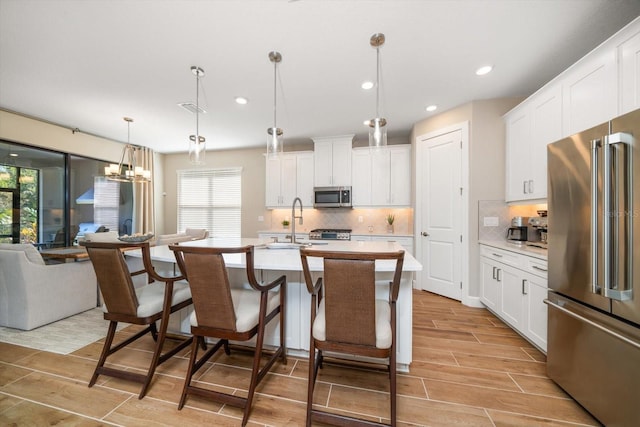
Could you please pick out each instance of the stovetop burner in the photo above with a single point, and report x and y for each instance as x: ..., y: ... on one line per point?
x: 329, y: 230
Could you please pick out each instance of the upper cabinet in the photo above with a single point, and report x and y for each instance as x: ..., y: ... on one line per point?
x: 589, y: 92
x: 600, y: 86
x: 288, y: 176
x: 382, y: 177
x: 332, y: 161
x: 530, y: 127
x: 629, y: 60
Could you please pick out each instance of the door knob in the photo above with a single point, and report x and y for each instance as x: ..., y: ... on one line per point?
x: 425, y: 234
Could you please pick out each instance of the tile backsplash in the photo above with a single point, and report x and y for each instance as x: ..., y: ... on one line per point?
x: 373, y: 220
x: 489, y: 210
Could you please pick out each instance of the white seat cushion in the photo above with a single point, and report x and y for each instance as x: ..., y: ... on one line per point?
x: 246, y: 303
x: 383, y: 324
x: 151, y: 297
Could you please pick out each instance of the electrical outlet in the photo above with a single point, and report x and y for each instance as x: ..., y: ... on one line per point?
x: 260, y: 218
x: 490, y: 221
x: 360, y: 219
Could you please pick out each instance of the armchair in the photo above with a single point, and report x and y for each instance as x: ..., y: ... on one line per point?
x: 33, y: 294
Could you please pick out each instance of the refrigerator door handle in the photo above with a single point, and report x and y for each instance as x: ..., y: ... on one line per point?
x: 595, y: 145
x: 611, y: 217
x: 592, y: 323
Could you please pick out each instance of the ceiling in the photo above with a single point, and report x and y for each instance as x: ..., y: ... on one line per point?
x: 87, y: 64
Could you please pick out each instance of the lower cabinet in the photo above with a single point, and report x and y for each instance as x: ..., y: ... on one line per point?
x: 514, y: 287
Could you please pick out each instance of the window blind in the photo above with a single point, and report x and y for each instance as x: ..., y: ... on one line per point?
x: 210, y: 199
x: 106, y: 204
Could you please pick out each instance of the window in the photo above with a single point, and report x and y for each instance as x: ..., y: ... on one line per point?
x: 210, y: 199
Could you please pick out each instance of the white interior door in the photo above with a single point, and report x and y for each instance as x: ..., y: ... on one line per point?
x: 439, y: 222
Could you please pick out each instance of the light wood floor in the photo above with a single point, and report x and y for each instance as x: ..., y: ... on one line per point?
x: 468, y: 369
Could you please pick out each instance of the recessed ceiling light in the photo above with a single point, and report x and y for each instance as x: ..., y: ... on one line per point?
x: 484, y: 70
x: 13, y: 155
x: 367, y: 85
x: 431, y: 108
x: 241, y: 100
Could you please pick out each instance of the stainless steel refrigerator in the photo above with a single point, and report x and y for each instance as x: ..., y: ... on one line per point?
x: 593, y: 348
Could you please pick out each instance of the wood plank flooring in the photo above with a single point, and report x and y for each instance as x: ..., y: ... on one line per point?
x: 468, y: 369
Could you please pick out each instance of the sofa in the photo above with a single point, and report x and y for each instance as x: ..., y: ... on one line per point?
x: 33, y: 293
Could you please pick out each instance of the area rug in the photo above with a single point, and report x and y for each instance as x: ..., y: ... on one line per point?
x: 64, y: 336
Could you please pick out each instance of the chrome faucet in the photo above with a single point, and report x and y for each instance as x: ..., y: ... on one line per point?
x: 293, y: 218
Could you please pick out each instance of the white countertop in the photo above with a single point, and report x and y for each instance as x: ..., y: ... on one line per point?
x: 287, y: 259
x: 522, y: 249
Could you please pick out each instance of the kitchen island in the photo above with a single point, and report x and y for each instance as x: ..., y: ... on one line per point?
x: 272, y: 263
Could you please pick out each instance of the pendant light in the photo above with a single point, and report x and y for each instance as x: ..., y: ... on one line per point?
x: 197, y: 144
x: 275, y: 146
x: 377, y: 125
x: 131, y: 173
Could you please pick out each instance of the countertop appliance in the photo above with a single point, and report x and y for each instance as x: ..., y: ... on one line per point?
x: 594, y: 269
x: 332, y: 197
x: 537, y: 232
x: 518, y: 230
x: 330, y: 234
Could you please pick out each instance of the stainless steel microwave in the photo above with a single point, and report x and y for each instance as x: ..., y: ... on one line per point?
x: 332, y: 197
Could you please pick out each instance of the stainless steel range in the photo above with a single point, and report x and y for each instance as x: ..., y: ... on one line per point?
x: 330, y: 234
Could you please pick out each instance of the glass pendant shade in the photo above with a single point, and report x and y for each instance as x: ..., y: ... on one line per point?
x: 377, y: 133
x: 197, y: 146
x: 274, y: 142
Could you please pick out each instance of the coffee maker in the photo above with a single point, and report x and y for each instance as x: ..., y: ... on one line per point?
x: 537, y: 236
x: 519, y: 229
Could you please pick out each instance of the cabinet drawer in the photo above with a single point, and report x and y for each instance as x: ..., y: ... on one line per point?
x: 536, y: 266
x: 502, y: 256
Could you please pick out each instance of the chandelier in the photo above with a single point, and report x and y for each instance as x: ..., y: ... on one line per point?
x: 377, y: 125
x: 197, y: 142
x: 275, y: 145
x: 127, y: 172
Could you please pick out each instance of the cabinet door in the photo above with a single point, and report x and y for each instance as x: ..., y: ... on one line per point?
x: 400, y: 175
x: 590, y: 92
x: 629, y: 54
x: 361, y: 177
x: 341, y: 157
x: 288, y: 175
x: 272, y: 182
x: 304, y: 178
x: 380, y: 177
x: 322, y: 164
x: 536, y: 310
x: 489, y: 286
x: 546, y: 127
x: 513, y: 297
x: 517, y: 154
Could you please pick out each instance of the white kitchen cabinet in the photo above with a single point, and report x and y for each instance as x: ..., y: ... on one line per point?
x: 382, y: 177
x: 514, y: 287
x: 530, y: 128
x: 361, y: 177
x: 332, y: 161
x: 536, y: 310
x: 288, y: 176
x: 304, y: 178
x: 590, y: 91
x: 629, y: 62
